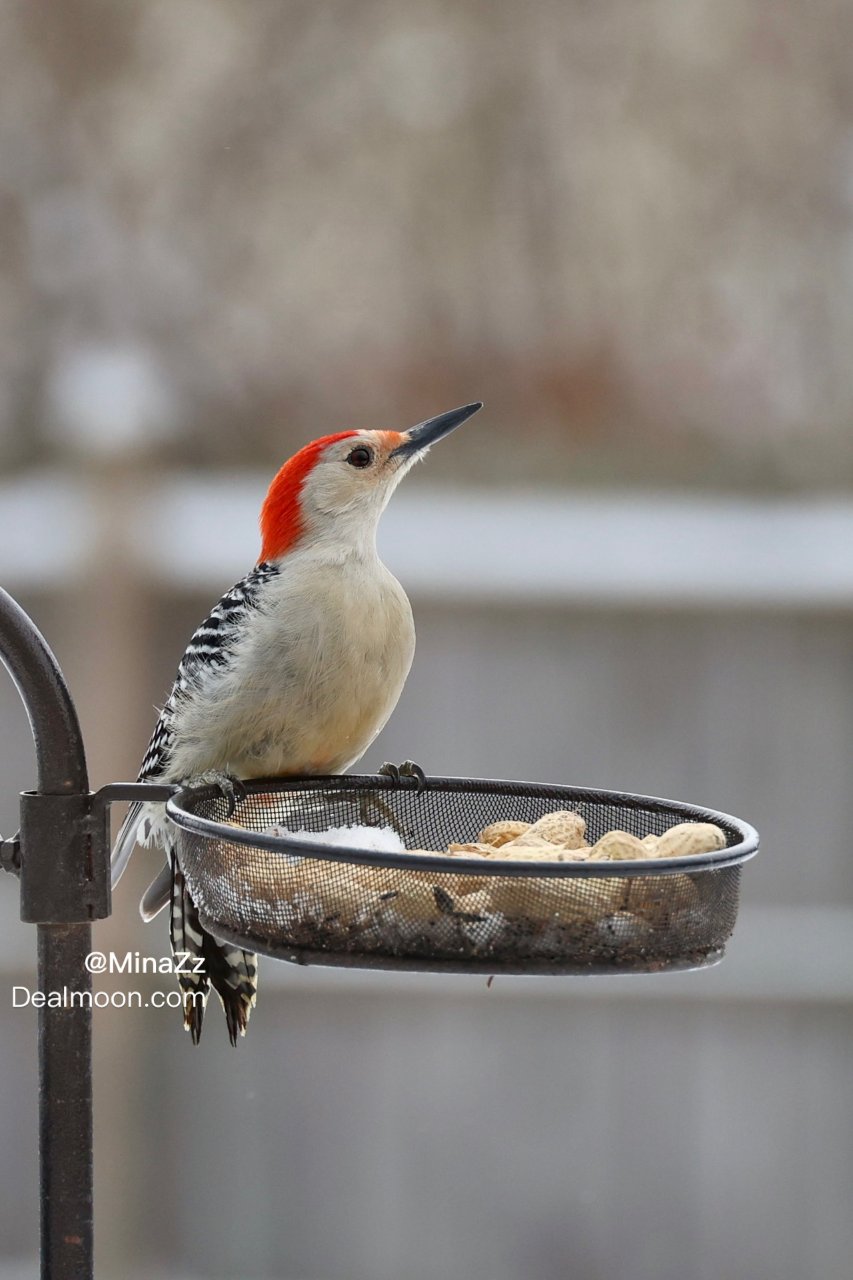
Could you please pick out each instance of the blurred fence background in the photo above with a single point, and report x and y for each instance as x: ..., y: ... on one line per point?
x: 629, y: 229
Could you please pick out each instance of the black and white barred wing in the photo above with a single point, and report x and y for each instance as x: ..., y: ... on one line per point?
x: 208, y: 652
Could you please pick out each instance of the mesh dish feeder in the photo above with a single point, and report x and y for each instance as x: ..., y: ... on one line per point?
x: 323, y: 904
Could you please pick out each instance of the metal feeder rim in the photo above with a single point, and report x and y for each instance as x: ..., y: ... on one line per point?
x: 740, y: 852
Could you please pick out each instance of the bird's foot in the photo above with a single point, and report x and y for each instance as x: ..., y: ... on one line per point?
x: 233, y: 790
x: 408, y: 769
x: 374, y: 812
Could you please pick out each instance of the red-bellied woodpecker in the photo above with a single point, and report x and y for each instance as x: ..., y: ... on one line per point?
x: 294, y: 671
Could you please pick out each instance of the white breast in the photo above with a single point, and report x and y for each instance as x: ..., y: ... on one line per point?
x: 315, y: 677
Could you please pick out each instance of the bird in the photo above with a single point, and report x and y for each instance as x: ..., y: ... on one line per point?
x: 294, y: 672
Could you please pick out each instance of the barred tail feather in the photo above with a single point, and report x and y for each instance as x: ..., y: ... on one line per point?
x: 231, y: 971
x: 188, y: 939
x: 234, y: 976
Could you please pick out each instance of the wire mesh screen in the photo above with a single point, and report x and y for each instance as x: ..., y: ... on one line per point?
x: 335, y: 906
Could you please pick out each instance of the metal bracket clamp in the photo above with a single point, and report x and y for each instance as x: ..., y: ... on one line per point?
x: 64, y: 859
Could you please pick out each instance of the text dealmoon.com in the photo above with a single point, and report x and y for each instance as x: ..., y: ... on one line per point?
x: 70, y: 999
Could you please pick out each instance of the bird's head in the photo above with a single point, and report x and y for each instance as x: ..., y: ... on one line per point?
x: 335, y: 489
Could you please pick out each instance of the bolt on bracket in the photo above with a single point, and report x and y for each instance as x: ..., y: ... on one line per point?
x: 10, y: 854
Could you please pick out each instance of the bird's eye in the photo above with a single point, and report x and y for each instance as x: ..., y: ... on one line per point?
x: 360, y: 456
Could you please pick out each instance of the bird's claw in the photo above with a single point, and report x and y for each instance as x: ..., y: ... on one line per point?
x: 233, y: 790
x: 408, y: 769
x: 235, y: 793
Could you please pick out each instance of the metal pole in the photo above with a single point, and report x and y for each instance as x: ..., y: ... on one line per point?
x: 65, y: 1108
x: 58, y: 893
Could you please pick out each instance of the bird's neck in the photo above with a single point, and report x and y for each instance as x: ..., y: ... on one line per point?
x: 337, y: 546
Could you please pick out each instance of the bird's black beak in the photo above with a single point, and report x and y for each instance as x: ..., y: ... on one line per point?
x: 426, y: 433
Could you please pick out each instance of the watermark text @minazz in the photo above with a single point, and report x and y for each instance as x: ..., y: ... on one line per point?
x: 135, y: 962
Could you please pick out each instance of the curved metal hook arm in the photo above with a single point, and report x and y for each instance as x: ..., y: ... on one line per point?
x: 60, y: 756
x: 63, y: 841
